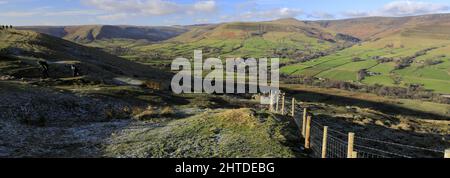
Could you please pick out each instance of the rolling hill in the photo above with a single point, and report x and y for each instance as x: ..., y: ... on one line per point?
x: 288, y: 39
x: 393, y: 51
x: 397, y: 52
x: 378, y: 27
x: 20, y: 50
x: 117, y: 40
x: 91, y: 33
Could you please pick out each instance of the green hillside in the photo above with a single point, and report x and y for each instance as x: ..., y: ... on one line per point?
x: 288, y: 39
x: 418, y: 55
x: 379, y: 27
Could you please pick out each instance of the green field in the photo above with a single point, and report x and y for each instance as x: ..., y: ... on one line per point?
x: 339, y: 66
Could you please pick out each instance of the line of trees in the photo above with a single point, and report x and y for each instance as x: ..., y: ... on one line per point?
x: 2, y: 27
x: 413, y: 91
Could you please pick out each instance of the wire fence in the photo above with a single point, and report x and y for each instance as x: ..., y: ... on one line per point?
x: 325, y: 142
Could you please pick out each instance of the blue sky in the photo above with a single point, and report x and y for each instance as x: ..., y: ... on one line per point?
x: 184, y: 12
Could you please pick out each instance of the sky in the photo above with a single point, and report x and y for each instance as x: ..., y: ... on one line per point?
x: 187, y: 12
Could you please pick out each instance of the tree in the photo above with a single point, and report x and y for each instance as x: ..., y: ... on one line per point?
x: 10, y: 26
x: 430, y: 62
x: 357, y: 59
x: 361, y: 74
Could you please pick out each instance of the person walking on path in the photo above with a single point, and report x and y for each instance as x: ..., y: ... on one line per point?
x: 44, y: 68
x: 75, y: 70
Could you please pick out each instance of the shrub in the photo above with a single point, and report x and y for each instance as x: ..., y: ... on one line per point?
x: 167, y: 112
x: 117, y: 113
x: 151, y: 113
x: 431, y: 62
x: 397, y: 92
x: 357, y: 59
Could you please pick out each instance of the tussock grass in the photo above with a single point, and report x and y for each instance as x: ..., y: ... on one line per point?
x: 218, y: 133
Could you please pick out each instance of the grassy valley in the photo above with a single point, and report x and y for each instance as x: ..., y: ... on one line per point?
x: 113, y: 39
x: 289, y: 39
x: 413, y: 53
x: 119, y: 108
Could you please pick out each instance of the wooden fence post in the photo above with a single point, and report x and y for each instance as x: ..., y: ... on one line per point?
x: 293, y: 108
x: 447, y: 153
x: 324, y: 142
x: 351, y: 141
x: 355, y: 154
x: 271, y: 101
x: 305, y: 114
x: 278, y: 102
x: 308, y: 133
x: 282, y: 103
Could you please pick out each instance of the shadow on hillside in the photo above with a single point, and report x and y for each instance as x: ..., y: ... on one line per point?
x: 376, y: 132
x: 386, y: 108
x: 292, y: 135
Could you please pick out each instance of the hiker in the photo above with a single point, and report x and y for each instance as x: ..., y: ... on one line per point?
x: 75, y: 70
x: 44, y: 68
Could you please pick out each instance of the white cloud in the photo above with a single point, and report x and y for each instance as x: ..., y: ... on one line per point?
x: 402, y: 8
x: 113, y: 16
x: 116, y: 9
x: 270, y: 14
x: 41, y: 12
x: 72, y: 13
x: 202, y: 20
x: 286, y: 12
x: 320, y: 15
x: 356, y: 14
x: 205, y: 6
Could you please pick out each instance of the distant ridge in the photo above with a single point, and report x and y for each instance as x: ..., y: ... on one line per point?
x: 375, y: 27
x: 89, y: 33
x: 363, y: 28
